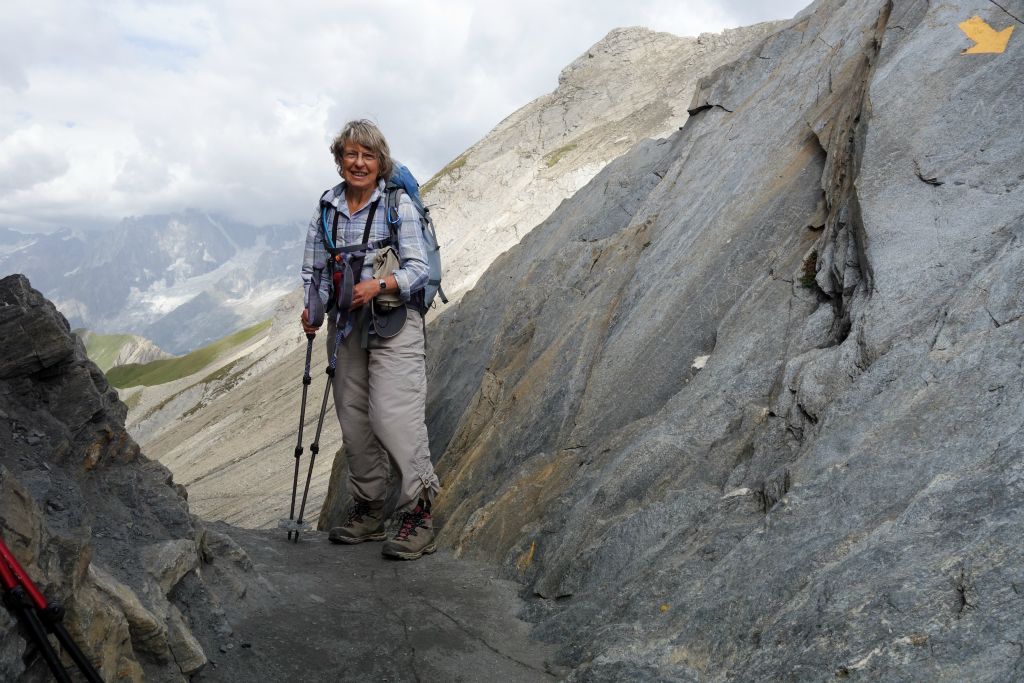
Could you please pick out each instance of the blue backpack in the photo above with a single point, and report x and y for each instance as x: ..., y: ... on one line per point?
x: 401, y: 181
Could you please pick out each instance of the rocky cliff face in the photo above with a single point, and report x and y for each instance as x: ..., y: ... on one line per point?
x: 100, y: 527
x: 750, y: 405
x: 633, y: 84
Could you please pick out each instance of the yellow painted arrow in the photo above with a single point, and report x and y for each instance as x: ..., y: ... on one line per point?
x: 987, y: 40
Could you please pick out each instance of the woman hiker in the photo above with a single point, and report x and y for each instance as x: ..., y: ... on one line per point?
x: 380, y: 388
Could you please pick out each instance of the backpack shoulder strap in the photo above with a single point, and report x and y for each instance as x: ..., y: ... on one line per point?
x: 369, y: 220
x: 393, y: 215
x: 334, y: 229
x: 331, y: 238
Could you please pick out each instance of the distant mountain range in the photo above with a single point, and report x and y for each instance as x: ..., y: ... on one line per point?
x: 181, y: 280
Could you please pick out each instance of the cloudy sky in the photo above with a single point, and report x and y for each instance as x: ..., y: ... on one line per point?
x: 118, y: 108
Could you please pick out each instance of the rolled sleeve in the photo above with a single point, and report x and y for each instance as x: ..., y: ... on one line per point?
x: 413, y: 274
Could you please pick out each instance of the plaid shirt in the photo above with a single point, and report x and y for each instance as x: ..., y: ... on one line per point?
x: 413, y: 273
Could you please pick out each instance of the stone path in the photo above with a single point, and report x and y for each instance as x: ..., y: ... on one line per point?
x: 343, y: 613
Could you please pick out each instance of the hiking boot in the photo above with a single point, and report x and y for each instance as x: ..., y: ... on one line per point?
x: 415, y: 536
x: 365, y: 523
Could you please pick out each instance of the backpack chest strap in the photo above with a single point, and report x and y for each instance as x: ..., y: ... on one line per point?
x: 331, y: 238
x: 357, y: 248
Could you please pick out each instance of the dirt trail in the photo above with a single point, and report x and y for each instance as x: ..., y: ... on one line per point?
x: 343, y: 613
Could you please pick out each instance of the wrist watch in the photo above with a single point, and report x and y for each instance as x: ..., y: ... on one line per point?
x: 383, y: 284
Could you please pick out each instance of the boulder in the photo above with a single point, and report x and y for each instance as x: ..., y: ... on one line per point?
x: 166, y: 562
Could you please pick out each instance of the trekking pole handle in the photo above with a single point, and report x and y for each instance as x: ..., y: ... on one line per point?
x: 306, y: 378
x: 7, y: 558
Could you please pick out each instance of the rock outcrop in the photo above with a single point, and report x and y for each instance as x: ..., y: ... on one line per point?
x: 750, y: 406
x: 633, y: 84
x: 139, y: 350
x: 101, y: 528
x: 111, y: 350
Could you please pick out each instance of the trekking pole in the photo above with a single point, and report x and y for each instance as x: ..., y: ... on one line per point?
x: 315, y: 310
x: 314, y: 448
x: 306, y: 381
x: 344, y: 280
x: 24, y: 599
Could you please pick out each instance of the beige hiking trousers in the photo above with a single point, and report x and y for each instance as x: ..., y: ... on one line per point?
x: 380, y: 396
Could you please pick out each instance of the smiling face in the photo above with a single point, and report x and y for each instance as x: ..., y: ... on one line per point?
x: 360, y: 167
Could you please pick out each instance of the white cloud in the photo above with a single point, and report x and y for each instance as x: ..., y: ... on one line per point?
x: 26, y: 160
x: 126, y: 108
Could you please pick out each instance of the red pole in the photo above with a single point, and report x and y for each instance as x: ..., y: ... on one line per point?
x: 6, y: 577
x: 25, y: 597
x: 20, y: 577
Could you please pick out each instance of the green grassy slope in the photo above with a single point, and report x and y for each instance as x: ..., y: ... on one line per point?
x: 103, y: 348
x: 169, y: 369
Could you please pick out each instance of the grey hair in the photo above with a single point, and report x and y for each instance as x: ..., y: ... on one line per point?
x: 366, y: 133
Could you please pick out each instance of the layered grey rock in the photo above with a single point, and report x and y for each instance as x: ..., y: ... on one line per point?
x: 750, y: 406
x: 632, y: 84
x: 101, y: 528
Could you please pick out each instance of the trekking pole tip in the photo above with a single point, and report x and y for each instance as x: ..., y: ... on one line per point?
x: 293, y: 526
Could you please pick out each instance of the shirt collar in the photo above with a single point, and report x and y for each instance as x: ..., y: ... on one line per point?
x: 335, y: 195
